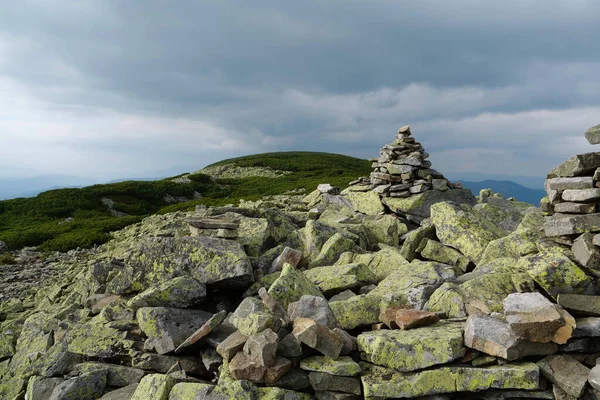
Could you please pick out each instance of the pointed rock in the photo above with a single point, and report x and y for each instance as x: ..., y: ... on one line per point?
x: 318, y: 337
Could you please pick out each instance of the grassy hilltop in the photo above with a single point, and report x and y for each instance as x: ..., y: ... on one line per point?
x: 40, y: 221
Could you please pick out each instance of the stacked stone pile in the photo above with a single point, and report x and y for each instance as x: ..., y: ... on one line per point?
x: 573, y: 200
x: 402, y: 169
x: 473, y: 303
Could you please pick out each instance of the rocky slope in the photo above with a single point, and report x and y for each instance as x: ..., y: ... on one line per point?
x: 430, y: 293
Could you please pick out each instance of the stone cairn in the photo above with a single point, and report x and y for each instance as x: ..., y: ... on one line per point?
x: 573, y: 200
x: 402, y: 169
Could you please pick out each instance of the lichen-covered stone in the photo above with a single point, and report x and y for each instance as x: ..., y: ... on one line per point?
x: 181, y: 292
x: 413, y: 349
x: 365, y: 202
x: 40, y: 387
x: 313, y: 307
x: 157, y: 259
x: 413, y: 283
x: 12, y: 388
x: 565, y: 371
x: 356, y: 311
x: 381, y: 263
x: 312, y: 237
x: 291, y: 285
x: 276, y: 393
x: 461, y: 227
x: 345, y: 384
x: 318, y: 337
x: 383, y: 229
x: 435, y: 251
x: 515, y: 245
x: 331, y: 250
x: 7, y: 347
x: 577, y: 165
x: 167, y: 328
x: 337, y: 278
x: 385, y: 383
x: 555, y: 272
x: 419, y: 205
x: 343, y: 366
x: 190, y: 391
x: 569, y: 224
x: 252, y: 317
x: 116, y: 375
x: 83, y: 387
x: 414, y: 239
x: 155, y: 386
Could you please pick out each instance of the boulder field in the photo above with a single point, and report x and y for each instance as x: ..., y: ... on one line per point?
x: 403, y: 285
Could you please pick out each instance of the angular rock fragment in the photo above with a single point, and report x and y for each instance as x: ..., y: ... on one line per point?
x: 365, y: 202
x: 575, y: 208
x: 413, y: 349
x: 435, y: 251
x: 337, y: 278
x: 356, y: 311
x: 180, y: 292
x: 322, y: 381
x: 167, y: 328
x: 242, y: 368
x: 572, y: 224
x: 343, y: 366
x: 41, y: 388
x: 566, y: 372
x: 587, y: 253
x: 580, y: 304
x: 587, y: 327
x: 252, y: 317
x: 291, y: 286
x: 313, y: 307
x: 581, y: 195
x: 116, y: 375
x: 580, y: 182
x: 318, y: 337
x: 83, y: 387
x: 594, y: 377
x: 577, y: 165
x: 230, y: 346
x: 386, y: 383
x: 533, y: 317
x: 493, y: 336
x: 409, y: 318
x: 287, y: 256
x: 154, y: 386
x: 204, y: 330
x: 420, y: 205
x: 593, y: 134
x: 261, y: 348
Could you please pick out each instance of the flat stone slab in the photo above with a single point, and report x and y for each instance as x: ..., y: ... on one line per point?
x: 419, y: 205
x: 580, y: 304
x: 386, y: 383
x: 572, y: 225
x: 577, y: 165
x: 343, y: 366
x: 580, y: 182
x: 581, y: 195
x: 566, y: 372
x: 587, y: 327
x: 413, y: 349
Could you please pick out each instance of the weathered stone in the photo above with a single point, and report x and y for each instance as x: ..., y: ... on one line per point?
x: 261, y: 348
x: 385, y: 229
x: 594, y: 377
x: 277, y: 393
x: 327, y: 188
x: 318, y: 337
x: 332, y: 249
x: 365, y: 202
x: 515, y: 245
x: 204, y: 330
x: 414, y: 239
x: 322, y: 381
x: 295, y: 379
x: 230, y: 346
x: 413, y: 283
x: 290, y: 347
x: 41, y: 388
x: 252, y: 317
x: 208, y: 260
x: 435, y: 251
x: 12, y: 388
x: 83, y: 387
x: 385, y: 383
x: 555, y: 272
x: 587, y: 327
x: 459, y: 226
x: 181, y: 292
x: 419, y: 205
x: 566, y: 372
x: 287, y: 256
x: 408, y: 318
x: 580, y: 304
x: 572, y: 225
x: 560, y: 184
x: 213, y: 223
x: 356, y: 311
x: 313, y: 307
x: 291, y: 286
x: 593, y: 134
x: 116, y: 375
x: 575, y: 208
x: 348, y: 341
x: 97, y: 340
x: 337, y: 278
x: 577, y: 165
x: 190, y: 391
x: 381, y: 263
x: 167, y: 328
x: 277, y: 371
x: 494, y: 336
x: 533, y: 317
x: 413, y: 349
x: 343, y: 366
x: 586, y: 252
x: 242, y: 368
x: 156, y: 387
x: 581, y: 195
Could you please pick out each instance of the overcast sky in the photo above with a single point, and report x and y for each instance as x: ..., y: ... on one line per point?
x: 112, y: 89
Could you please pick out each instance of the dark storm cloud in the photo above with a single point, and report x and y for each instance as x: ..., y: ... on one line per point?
x: 479, y: 81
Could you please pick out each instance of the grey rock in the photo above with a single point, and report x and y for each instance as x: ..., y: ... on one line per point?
x: 577, y: 165
x: 163, y: 364
x: 261, y: 348
x: 586, y: 252
x: 593, y: 134
x: 124, y: 393
x: 587, y: 327
x: 420, y: 205
x: 594, y: 377
x: 327, y: 188
x: 560, y: 184
x: 116, y: 375
x: 575, y: 208
x: 580, y: 303
x: 167, y: 328
x: 566, y: 372
x: 88, y: 386
x: 230, y: 346
x: 571, y: 225
x: 287, y: 256
x: 322, y: 381
x: 290, y: 347
x: 181, y: 292
x: 252, y: 317
x: 581, y: 195
x: 313, y: 307
x: 318, y: 337
x: 40, y: 388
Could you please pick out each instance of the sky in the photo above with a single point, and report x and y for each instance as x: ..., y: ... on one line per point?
x: 117, y: 89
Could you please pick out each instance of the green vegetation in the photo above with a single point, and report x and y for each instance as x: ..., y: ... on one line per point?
x: 41, y: 220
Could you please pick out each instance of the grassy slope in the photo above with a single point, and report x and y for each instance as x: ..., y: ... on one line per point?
x: 36, y: 221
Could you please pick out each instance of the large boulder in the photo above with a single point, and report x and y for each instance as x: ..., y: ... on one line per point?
x: 207, y: 259
x: 365, y: 202
x: 581, y: 164
x: 419, y: 205
x: 291, y: 285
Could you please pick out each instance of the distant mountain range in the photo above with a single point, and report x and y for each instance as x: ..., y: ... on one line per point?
x: 507, y: 189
